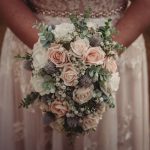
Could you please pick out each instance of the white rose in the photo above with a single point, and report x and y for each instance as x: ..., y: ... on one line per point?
x: 39, y: 56
x: 37, y: 84
x: 114, y: 81
x: 64, y: 32
x: 92, y: 25
x: 80, y: 46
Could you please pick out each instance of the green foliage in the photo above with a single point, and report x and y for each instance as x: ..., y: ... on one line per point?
x: 29, y: 99
x: 27, y: 56
x: 119, y: 48
x: 109, y: 100
x: 49, y: 84
x: 81, y: 23
x: 98, y: 73
x: 45, y: 34
x: 106, y: 30
x: 87, y: 13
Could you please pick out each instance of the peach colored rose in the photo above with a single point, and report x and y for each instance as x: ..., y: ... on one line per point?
x: 59, y: 108
x: 110, y: 64
x: 90, y: 122
x: 94, y: 55
x: 83, y: 95
x: 69, y: 75
x: 57, y: 55
x: 80, y: 46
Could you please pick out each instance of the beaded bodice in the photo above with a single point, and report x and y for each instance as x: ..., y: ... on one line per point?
x: 64, y: 7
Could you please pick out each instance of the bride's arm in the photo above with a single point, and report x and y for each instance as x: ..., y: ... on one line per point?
x: 20, y: 20
x: 134, y: 22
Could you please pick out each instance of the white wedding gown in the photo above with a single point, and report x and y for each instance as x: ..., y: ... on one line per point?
x: 123, y: 128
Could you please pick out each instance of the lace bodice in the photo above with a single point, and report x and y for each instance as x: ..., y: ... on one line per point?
x: 62, y: 6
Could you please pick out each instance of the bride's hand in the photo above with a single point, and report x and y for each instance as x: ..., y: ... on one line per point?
x: 19, y: 19
x: 134, y: 22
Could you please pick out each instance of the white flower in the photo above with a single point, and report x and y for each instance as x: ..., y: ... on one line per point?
x: 92, y: 25
x: 37, y: 84
x: 80, y: 46
x: 64, y: 32
x: 39, y: 56
x: 113, y: 83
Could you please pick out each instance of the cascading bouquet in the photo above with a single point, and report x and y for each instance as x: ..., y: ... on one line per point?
x: 74, y: 73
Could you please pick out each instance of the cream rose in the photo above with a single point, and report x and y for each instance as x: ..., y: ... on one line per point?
x: 94, y: 55
x: 90, y: 122
x: 69, y: 75
x: 113, y: 83
x: 39, y: 56
x: 110, y: 64
x: 59, y: 108
x: 37, y: 84
x: 83, y: 95
x: 57, y: 55
x: 80, y: 46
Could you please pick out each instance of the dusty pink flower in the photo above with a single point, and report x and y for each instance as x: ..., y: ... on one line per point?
x: 94, y: 55
x: 59, y: 108
x: 110, y: 64
x: 69, y: 75
x: 90, y: 122
x: 83, y: 95
x: 58, y: 55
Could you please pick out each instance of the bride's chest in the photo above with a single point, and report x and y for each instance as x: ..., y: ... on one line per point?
x: 78, y: 5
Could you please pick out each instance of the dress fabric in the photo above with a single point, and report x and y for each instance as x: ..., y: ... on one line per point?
x: 122, y: 128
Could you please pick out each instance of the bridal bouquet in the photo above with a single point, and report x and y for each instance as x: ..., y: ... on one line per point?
x: 74, y: 73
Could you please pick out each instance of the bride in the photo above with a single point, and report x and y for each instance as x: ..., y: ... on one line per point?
x: 123, y: 128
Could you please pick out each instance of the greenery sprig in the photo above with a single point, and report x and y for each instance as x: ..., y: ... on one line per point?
x: 29, y: 99
x: 27, y: 56
x: 99, y: 74
x: 45, y: 34
x: 80, y: 23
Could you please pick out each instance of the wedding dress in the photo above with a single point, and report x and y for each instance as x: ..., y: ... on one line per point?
x: 122, y: 128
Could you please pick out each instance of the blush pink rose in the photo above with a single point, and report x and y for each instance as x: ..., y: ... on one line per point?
x: 57, y: 55
x: 80, y: 46
x: 59, y: 108
x: 90, y: 122
x: 94, y: 55
x: 110, y: 64
x: 69, y: 75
